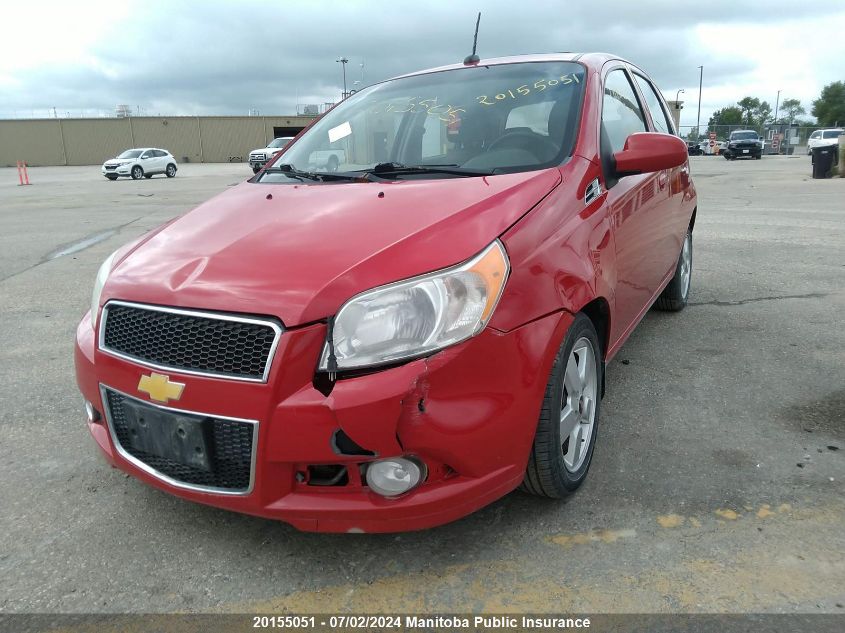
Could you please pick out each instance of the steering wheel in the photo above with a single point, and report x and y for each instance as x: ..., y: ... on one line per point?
x: 529, y: 142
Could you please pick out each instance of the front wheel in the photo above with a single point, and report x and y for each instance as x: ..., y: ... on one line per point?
x: 255, y: 170
x: 170, y: 171
x: 674, y: 296
x: 137, y: 172
x: 568, y: 424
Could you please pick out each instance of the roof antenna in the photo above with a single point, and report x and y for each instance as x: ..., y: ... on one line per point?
x: 474, y: 59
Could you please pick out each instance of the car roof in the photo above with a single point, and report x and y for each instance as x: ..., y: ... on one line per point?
x: 593, y: 61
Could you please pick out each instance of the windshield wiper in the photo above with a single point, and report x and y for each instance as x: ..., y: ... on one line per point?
x: 293, y: 172
x: 385, y: 169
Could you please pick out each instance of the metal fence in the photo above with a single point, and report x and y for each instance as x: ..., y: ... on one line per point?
x: 790, y: 138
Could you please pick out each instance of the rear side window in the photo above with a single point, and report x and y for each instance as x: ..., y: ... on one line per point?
x: 831, y: 134
x: 662, y: 122
x: 621, y: 114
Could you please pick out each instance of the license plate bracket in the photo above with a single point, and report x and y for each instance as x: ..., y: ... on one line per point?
x: 177, y: 437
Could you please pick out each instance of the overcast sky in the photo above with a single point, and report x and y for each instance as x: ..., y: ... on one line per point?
x: 215, y: 57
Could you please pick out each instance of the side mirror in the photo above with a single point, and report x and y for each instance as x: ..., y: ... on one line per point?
x: 646, y: 152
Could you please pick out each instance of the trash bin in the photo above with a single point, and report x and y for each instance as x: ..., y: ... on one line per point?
x: 823, y: 158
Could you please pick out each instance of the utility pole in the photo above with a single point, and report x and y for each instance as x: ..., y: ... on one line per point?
x: 777, y: 103
x: 700, y: 83
x: 344, y: 61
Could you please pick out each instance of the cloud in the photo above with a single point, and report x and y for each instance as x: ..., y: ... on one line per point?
x: 228, y: 58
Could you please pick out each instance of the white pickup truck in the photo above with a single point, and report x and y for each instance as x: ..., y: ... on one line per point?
x: 328, y: 159
x: 259, y: 157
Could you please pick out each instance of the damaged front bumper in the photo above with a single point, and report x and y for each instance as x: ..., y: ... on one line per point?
x: 468, y: 413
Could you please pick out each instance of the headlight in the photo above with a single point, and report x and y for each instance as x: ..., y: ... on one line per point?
x: 417, y: 316
x: 99, y: 282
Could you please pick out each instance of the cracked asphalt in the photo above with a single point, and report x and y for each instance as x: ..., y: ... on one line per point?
x: 717, y: 482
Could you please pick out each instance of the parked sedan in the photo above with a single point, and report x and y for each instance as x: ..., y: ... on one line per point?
x: 399, y: 342
x: 144, y: 162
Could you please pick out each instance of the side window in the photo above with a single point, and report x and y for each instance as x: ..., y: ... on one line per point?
x: 662, y: 122
x: 815, y: 134
x: 621, y: 114
x: 147, y: 154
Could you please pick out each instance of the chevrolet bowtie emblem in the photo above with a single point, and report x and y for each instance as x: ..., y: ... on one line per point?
x: 159, y: 387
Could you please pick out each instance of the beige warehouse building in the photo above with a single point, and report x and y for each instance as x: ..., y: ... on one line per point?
x: 204, y: 139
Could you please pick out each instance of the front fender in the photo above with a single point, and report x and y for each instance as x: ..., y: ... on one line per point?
x: 562, y: 253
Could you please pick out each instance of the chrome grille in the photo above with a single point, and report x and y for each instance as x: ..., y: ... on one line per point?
x: 232, y: 449
x: 203, y: 343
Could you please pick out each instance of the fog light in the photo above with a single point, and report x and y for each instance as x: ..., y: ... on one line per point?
x: 91, y: 413
x: 391, y: 477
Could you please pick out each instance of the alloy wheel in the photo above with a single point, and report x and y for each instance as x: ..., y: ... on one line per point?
x: 578, y: 413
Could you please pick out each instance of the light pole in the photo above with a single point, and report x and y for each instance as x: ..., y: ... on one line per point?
x: 777, y: 103
x: 343, y: 61
x: 700, y: 83
x: 678, y: 93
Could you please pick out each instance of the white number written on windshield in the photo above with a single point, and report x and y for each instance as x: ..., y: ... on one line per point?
x: 525, y: 89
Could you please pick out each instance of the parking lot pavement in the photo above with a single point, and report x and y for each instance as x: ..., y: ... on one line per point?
x: 717, y: 483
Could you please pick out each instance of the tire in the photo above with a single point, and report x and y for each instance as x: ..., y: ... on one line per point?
x: 111, y: 177
x: 137, y: 172
x: 758, y: 156
x: 554, y: 470
x: 674, y: 296
x: 255, y: 170
x: 170, y: 170
x: 148, y: 176
x: 332, y: 163
x: 727, y: 156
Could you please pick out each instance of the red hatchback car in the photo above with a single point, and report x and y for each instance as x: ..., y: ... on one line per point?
x: 394, y: 339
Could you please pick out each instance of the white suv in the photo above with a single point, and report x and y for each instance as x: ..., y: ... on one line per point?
x: 259, y: 157
x: 143, y: 162
x: 823, y: 138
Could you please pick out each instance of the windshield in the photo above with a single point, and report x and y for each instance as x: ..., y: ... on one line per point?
x: 744, y: 136
x: 131, y: 153
x: 511, y: 117
x: 281, y: 141
x: 831, y: 133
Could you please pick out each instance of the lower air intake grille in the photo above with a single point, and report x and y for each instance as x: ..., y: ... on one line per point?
x: 230, y: 452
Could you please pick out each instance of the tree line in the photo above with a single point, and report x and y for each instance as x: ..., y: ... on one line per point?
x: 829, y: 110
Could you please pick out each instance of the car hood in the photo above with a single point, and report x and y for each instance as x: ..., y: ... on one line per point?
x: 300, y: 251
x: 118, y: 161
